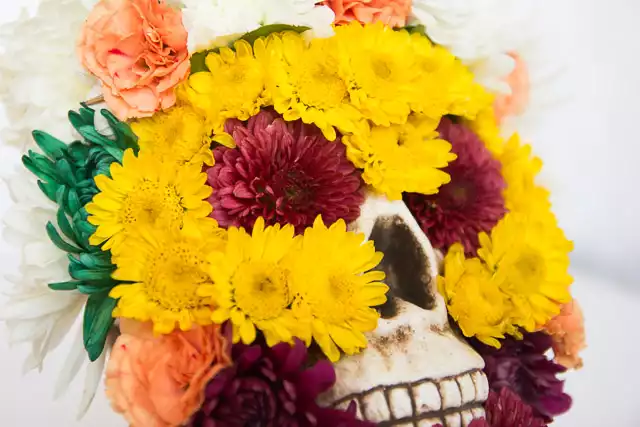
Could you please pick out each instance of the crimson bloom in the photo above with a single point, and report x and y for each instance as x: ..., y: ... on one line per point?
x: 271, y: 387
x: 523, y: 367
x: 286, y: 172
x: 472, y: 202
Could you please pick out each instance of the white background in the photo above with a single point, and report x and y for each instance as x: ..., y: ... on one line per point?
x: 590, y: 148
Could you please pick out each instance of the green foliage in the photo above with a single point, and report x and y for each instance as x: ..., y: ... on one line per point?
x: 198, y: 59
x: 66, y: 175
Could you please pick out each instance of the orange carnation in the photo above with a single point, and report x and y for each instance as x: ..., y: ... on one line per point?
x: 567, y: 332
x: 390, y: 12
x: 138, y: 50
x: 516, y: 102
x: 160, y: 381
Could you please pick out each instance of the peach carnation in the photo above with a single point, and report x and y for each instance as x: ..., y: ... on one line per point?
x: 160, y: 381
x: 138, y: 50
x: 567, y: 332
x: 390, y: 12
x: 516, y: 102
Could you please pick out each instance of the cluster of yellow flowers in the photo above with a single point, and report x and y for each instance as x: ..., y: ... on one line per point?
x: 520, y: 277
x: 378, y: 87
x: 180, y: 269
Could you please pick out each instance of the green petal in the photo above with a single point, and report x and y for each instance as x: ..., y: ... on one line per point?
x: 59, y: 241
x: 98, y: 320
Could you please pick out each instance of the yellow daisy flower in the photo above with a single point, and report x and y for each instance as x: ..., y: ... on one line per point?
x: 251, y: 284
x: 519, y: 170
x: 398, y: 159
x: 486, y: 127
x: 305, y: 82
x: 166, y: 267
x: 442, y: 85
x: 335, y: 288
x: 529, y: 257
x: 474, y: 298
x: 179, y: 135
x: 379, y: 66
x: 146, y: 191
x: 234, y: 86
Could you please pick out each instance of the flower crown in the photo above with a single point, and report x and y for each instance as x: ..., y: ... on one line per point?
x: 205, y: 224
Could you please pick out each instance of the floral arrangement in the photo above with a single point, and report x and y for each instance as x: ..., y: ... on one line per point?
x: 199, y: 225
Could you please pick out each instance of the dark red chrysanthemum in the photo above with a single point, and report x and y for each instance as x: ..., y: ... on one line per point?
x: 523, y: 367
x: 472, y: 202
x: 506, y: 409
x: 271, y: 387
x: 286, y: 172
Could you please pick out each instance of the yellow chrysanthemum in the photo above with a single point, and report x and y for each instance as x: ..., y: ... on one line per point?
x: 146, y: 191
x: 305, y: 83
x: 474, y: 298
x: 378, y: 65
x: 529, y: 257
x: 251, y: 285
x: 519, y: 170
x: 398, y: 159
x: 335, y: 288
x: 234, y: 86
x: 179, y: 135
x: 486, y: 127
x: 166, y: 267
x: 442, y: 84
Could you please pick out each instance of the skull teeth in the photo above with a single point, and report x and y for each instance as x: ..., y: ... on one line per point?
x: 452, y: 402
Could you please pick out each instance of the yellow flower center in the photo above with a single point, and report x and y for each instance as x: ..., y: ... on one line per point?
x: 173, y: 276
x: 238, y: 82
x: 261, y: 289
x: 319, y: 85
x: 151, y: 203
x: 530, y: 270
x: 335, y: 303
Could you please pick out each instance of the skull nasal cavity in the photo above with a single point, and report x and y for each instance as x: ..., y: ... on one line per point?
x: 405, y: 264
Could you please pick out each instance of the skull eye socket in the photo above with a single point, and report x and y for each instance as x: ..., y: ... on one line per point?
x: 405, y: 264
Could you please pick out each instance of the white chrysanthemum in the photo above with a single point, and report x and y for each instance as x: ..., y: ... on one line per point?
x: 479, y: 32
x: 214, y: 23
x: 41, y: 78
x: 33, y: 313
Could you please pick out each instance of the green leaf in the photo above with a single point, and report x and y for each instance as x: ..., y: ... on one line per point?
x: 65, y: 225
x: 89, y: 275
x: 92, y: 289
x: 59, y: 241
x: 65, y: 172
x: 73, y: 201
x: 64, y: 286
x: 98, y: 319
x: 36, y: 168
x: 50, y: 145
x: 50, y: 189
x: 265, y: 30
x: 198, y: 63
x: 96, y: 260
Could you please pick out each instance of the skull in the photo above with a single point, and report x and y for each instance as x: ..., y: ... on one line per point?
x: 416, y: 371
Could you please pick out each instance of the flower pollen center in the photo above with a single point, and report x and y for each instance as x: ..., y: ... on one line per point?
x: 261, y: 289
x: 153, y: 204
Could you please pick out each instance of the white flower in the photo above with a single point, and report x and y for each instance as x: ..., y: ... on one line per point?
x: 214, y: 23
x: 33, y: 313
x: 41, y: 78
x: 479, y: 32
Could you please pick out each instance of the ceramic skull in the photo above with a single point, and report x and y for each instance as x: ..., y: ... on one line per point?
x: 416, y: 371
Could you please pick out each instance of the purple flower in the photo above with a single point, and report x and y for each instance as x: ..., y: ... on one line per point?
x: 506, y: 409
x: 472, y: 202
x: 286, y: 172
x: 521, y: 366
x: 271, y: 387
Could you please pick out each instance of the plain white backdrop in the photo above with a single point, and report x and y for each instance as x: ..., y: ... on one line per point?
x: 590, y: 149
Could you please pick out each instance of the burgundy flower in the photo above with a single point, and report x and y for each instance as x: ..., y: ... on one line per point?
x: 506, y: 409
x: 472, y: 202
x: 270, y: 387
x: 521, y: 365
x: 286, y: 172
